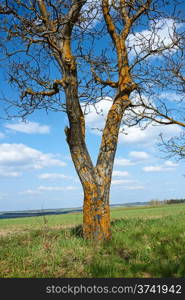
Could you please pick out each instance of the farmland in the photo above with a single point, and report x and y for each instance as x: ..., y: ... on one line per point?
x: 146, y: 242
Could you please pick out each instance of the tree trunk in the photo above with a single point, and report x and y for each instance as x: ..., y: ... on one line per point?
x: 96, y: 213
x: 95, y: 180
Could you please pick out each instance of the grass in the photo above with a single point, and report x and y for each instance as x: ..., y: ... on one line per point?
x: 146, y: 242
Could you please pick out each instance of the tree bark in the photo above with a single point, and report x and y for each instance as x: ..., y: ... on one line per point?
x: 96, y: 180
x: 96, y: 212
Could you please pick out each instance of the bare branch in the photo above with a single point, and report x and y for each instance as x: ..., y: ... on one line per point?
x: 141, y: 11
x: 109, y: 22
x: 103, y: 82
x: 44, y: 93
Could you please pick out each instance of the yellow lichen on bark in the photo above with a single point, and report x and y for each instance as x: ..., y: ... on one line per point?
x: 96, y: 214
x: 66, y: 51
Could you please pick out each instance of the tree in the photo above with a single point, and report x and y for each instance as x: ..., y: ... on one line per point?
x: 53, y: 49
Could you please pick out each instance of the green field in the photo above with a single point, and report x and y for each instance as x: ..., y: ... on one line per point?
x: 146, y: 242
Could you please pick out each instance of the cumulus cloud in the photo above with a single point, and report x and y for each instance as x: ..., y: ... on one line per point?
x: 52, y: 176
x: 15, y: 158
x: 133, y: 135
x: 123, y: 162
x: 57, y: 188
x: 136, y: 157
x: 167, y: 166
x: 41, y: 189
x: 170, y: 163
x: 30, y: 192
x: 171, y: 96
x: 120, y: 173
x: 122, y: 181
x: 91, y: 14
x: 127, y: 184
x: 153, y: 168
x: 139, y: 155
x: 7, y: 172
x: 96, y: 115
x: 159, y: 35
x: 29, y: 127
x: 150, y: 135
x: 133, y: 187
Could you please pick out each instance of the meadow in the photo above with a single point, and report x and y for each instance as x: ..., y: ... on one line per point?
x: 146, y: 242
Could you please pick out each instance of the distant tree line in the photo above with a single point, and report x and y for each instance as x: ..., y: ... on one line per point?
x: 173, y: 201
x: 169, y: 201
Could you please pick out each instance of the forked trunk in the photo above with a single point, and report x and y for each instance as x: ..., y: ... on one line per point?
x: 95, y: 180
x: 96, y: 214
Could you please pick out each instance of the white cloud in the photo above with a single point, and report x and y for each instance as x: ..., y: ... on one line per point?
x: 29, y: 127
x: 171, y: 96
x: 96, y: 115
x: 120, y: 173
x: 19, y: 157
x: 91, y: 14
x: 170, y: 163
x: 133, y: 135
x: 42, y: 189
x: 139, y: 109
x: 159, y: 34
x: 56, y: 188
x: 136, y: 158
x: 139, y: 155
x: 7, y: 172
x: 121, y: 181
x: 153, y: 168
x: 150, y: 135
x: 53, y: 176
x: 30, y: 192
x: 167, y: 166
x: 123, y: 162
x: 133, y: 187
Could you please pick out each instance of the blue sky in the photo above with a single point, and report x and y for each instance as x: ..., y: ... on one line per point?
x: 36, y: 171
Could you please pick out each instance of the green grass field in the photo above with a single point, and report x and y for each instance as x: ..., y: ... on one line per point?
x: 146, y: 242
